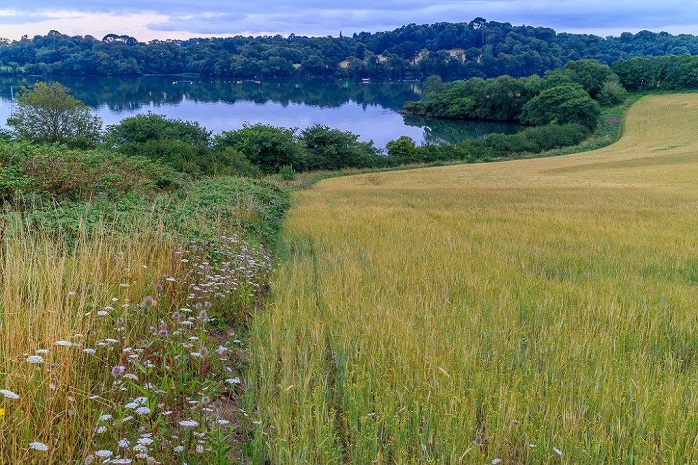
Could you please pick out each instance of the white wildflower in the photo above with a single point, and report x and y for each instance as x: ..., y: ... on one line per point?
x: 142, y: 410
x: 35, y: 359
x: 63, y: 343
x: 189, y: 423
x: 104, y: 453
x: 9, y: 394
x: 40, y: 446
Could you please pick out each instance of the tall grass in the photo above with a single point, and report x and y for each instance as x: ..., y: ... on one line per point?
x: 116, y: 344
x: 535, y: 311
x: 53, y: 294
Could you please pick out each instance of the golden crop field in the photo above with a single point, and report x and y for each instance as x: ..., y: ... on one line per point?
x: 531, y: 311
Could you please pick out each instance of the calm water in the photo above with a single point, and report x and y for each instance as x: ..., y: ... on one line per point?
x: 369, y: 110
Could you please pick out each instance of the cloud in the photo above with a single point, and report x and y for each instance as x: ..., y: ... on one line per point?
x: 147, y: 19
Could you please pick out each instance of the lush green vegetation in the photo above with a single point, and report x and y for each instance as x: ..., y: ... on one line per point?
x: 531, y: 311
x: 128, y: 272
x: 479, y: 48
x: 660, y: 73
x: 572, y: 94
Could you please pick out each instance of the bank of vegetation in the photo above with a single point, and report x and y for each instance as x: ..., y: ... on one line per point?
x: 478, y: 48
x: 127, y: 281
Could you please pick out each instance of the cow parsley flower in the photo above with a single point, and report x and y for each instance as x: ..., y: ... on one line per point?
x: 40, y: 446
x: 189, y: 423
x: 9, y: 394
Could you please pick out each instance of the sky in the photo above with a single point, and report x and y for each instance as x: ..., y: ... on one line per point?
x: 181, y: 19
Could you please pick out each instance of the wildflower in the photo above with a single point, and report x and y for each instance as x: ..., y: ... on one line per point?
x: 104, y: 453
x: 140, y: 448
x: 63, y: 343
x: 102, y: 313
x: 145, y: 441
x: 233, y: 380
x: 221, y: 350
x: 557, y: 451
x: 2, y: 412
x: 142, y: 410
x: 170, y: 279
x: 89, y: 351
x: 124, y: 444
x: 205, y: 400
x: 222, y: 422
x: 189, y: 423
x: 9, y: 394
x: 496, y: 461
x: 38, y: 359
x: 43, y: 351
x: 199, y: 449
x: 101, y: 429
x: 121, y: 461
x: 163, y: 329
x: 40, y: 446
x: 178, y: 449
x: 131, y: 376
x: 118, y: 370
x: 105, y: 417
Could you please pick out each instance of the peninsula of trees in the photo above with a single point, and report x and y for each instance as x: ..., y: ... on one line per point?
x: 478, y: 48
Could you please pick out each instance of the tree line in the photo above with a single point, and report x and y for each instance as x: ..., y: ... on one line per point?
x: 478, y: 48
x: 572, y: 94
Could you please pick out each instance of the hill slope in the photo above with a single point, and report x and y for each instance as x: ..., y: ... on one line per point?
x: 532, y: 311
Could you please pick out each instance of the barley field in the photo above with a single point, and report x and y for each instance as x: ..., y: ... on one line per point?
x: 531, y: 311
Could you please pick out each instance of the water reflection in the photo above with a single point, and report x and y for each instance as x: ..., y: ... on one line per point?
x: 368, y: 110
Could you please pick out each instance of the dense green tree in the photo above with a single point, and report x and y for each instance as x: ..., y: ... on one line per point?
x: 266, y: 146
x: 48, y: 113
x: 143, y: 128
x: 183, y: 145
x: 564, y: 104
x: 331, y: 149
x: 403, y: 148
x: 480, y: 48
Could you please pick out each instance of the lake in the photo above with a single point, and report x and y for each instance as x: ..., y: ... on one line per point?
x: 369, y: 110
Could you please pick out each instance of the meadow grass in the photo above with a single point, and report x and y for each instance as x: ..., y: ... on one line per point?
x: 119, y: 345
x: 530, y: 311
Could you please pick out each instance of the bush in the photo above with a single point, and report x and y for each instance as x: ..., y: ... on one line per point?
x: 287, y: 173
x: 266, y: 146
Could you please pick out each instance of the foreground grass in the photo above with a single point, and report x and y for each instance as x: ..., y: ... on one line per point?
x: 533, y: 311
x: 119, y: 337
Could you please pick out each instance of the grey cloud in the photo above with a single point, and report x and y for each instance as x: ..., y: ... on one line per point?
x: 319, y: 17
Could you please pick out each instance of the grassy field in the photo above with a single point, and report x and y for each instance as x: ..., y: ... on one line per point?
x: 533, y: 311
